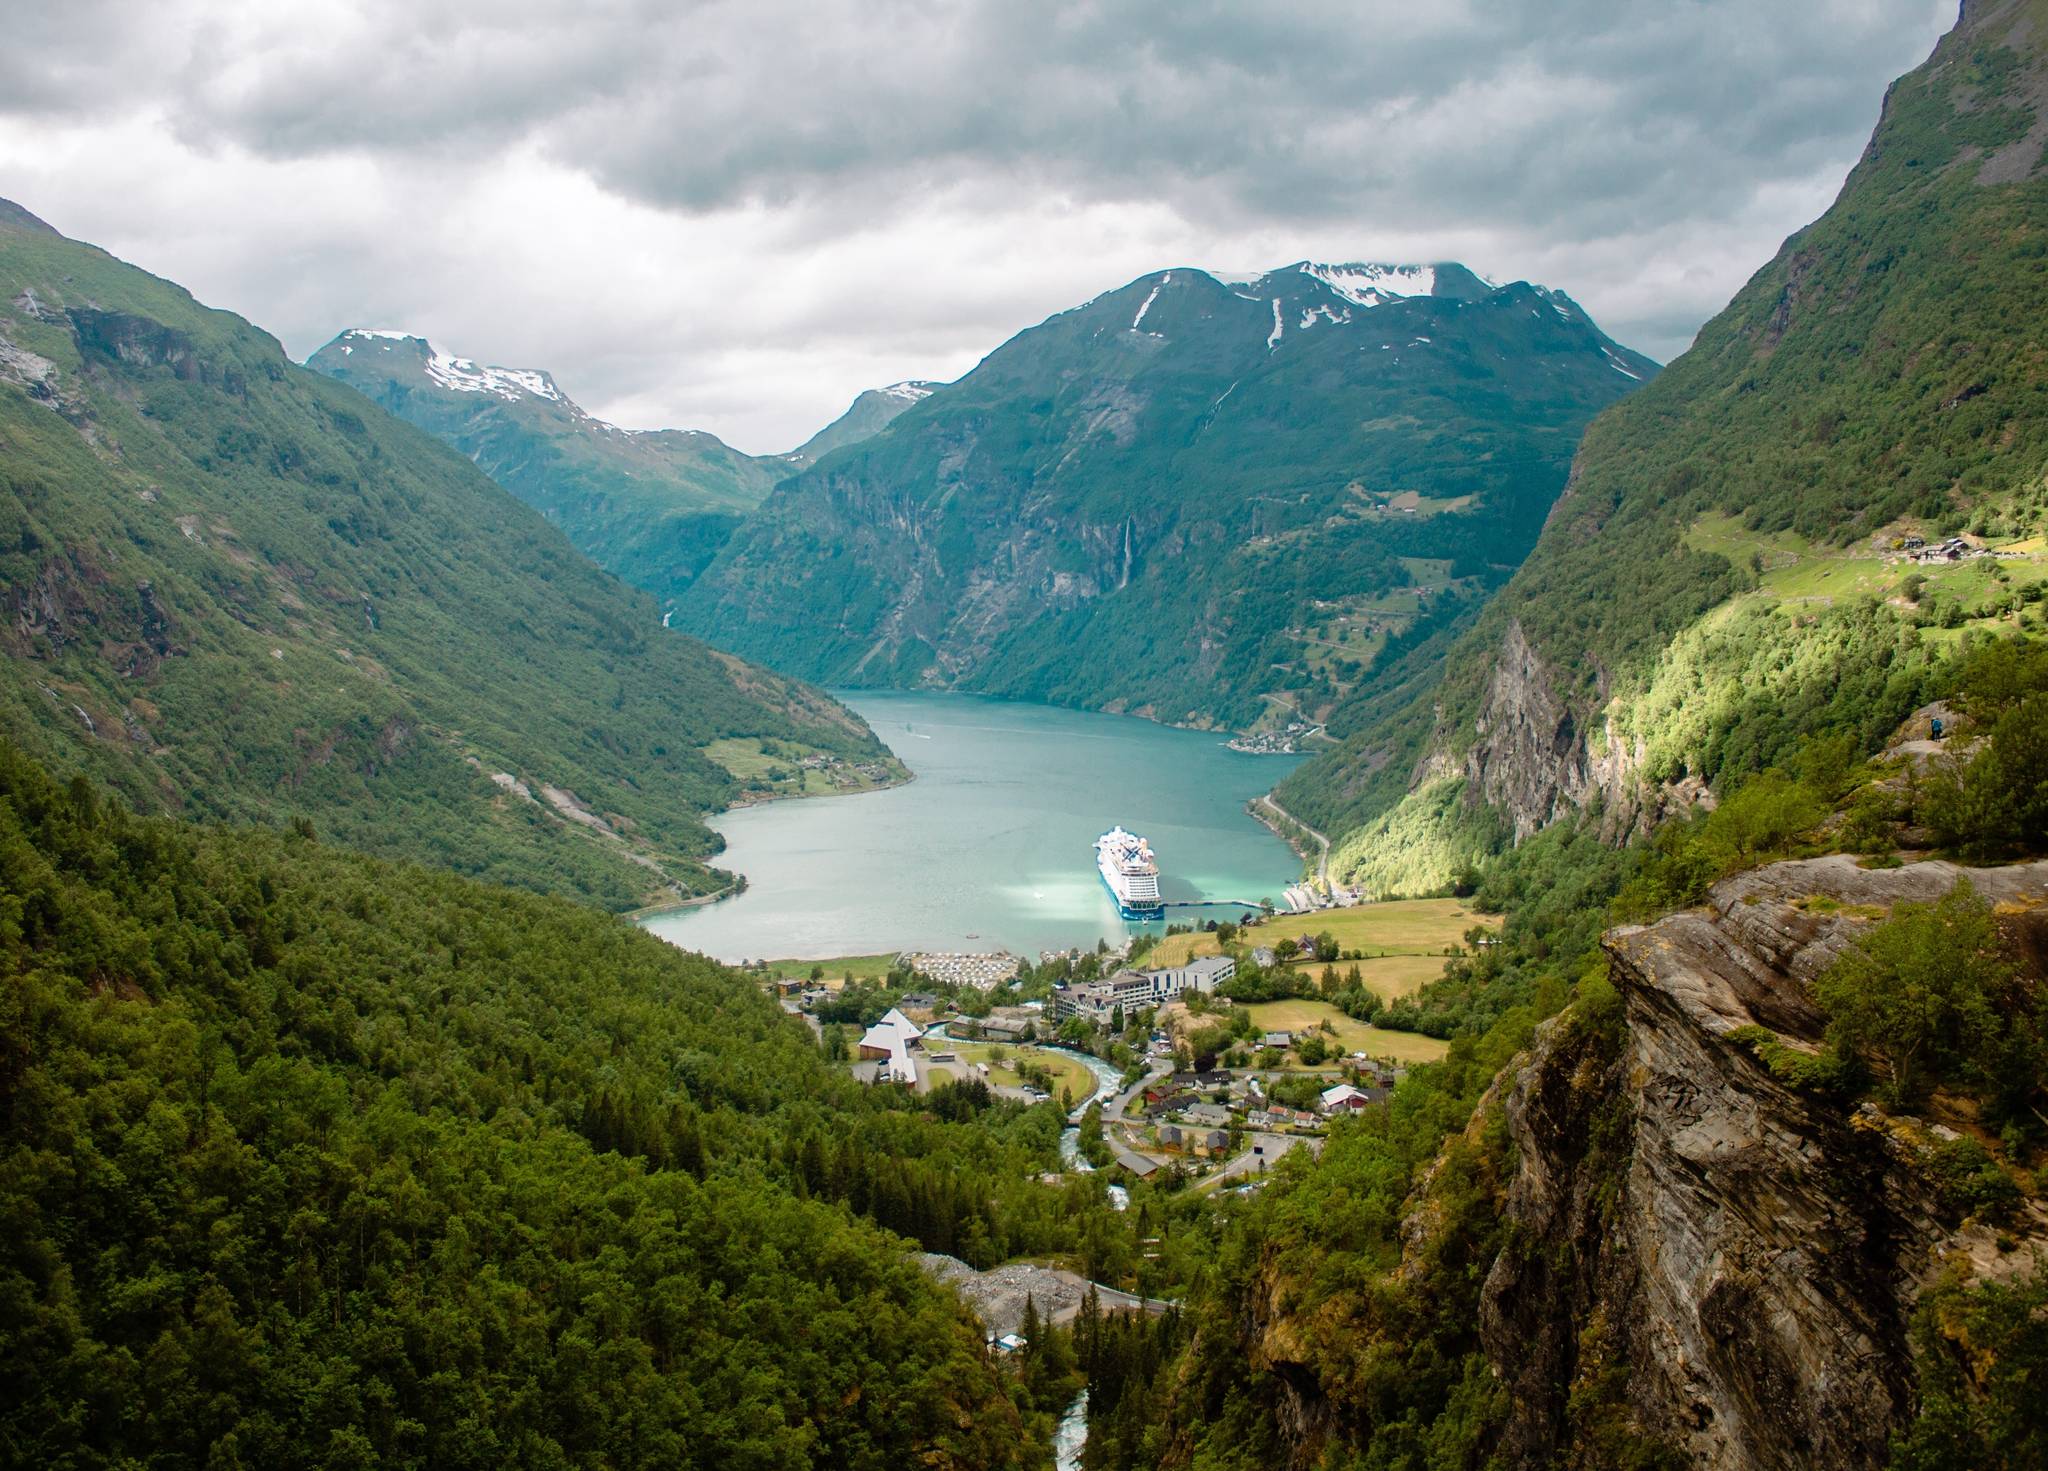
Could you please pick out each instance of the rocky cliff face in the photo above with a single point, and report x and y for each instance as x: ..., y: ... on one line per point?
x: 1735, y: 1260
x: 1530, y: 760
x: 1536, y: 759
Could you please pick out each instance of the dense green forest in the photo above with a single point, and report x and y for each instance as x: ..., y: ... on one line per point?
x: 240, y: 591
x: 312, y: 1159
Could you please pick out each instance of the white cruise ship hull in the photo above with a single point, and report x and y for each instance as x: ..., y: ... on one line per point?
x: 1130, y: 873
x: 1133, y: 908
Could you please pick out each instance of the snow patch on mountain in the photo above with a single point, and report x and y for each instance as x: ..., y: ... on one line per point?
x: 465, y: 375
x: 1372, y: 285
x: 910, y: 390
x: 1149, y: 299
x: 1619, y: 366
x: 1279, y: 326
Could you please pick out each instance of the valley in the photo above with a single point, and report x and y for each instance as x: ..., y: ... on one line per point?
x: 534, y: 942
x: 241, y: 593
x: 651, y: 507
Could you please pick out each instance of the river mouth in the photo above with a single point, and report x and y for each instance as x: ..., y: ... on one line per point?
x: 992, y: 845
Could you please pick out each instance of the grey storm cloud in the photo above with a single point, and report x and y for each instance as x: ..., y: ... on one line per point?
x: 1645, y: 155
x: 1571, y: 115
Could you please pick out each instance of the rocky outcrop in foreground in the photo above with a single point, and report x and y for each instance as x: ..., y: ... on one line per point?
x: 1727, y: 1264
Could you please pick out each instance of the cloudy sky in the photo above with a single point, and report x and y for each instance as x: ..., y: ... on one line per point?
x: 734, y: 215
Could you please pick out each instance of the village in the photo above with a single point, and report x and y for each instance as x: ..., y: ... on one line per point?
x: 1199, y: 1058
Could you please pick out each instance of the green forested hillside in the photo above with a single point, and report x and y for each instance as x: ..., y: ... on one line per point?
x: 1725, y: 595
x: 649, y: 507
x: 1203, y: 502
x: 1743, y: 515
x: 315, y: 1160
x: 238, y: 590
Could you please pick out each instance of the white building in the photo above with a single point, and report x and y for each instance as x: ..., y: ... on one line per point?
x: 889, y: 1042
x: 1203, y: 975
x: 1344, y: 1096
x: 1133, y: 989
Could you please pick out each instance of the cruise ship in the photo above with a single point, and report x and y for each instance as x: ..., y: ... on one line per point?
x: 1130, y: 873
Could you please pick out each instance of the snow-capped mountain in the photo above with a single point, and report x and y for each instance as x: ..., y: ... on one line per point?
x: 1143, y: 501
x: 457, y: 375
x: 650, y: 506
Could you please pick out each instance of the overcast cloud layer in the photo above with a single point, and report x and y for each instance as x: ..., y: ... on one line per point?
x: 733, y: 216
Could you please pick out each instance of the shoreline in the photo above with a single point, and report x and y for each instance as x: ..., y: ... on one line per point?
x: 1271, y: 816
x: 765, y: 799
x: 740, y: 883
x: 695, y: 901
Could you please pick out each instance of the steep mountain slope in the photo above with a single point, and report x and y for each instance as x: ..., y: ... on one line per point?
x: 238, y: 590
x: 1205, y: 502
x: 1736, y: 1158
x: 652, y: 508
x: 1730, y: 565
x: 317, y: 1160
x: 868, y: 415
x: 1658, y: 1243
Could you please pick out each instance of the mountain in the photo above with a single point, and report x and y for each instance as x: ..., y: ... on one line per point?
x: 868, y: 415
x: 651, y: 507
x: 238, y: 590
x: 1212, y: 503
x: 1733, y: 564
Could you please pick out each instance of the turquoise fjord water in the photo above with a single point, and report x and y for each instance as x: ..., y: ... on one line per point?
x: 993, y: 845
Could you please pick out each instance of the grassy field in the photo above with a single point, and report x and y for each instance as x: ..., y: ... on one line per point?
x: 1067, y: 1072
x: 775, y: 767
x: 750, y: 762
x: 1180, y: 949
x: 1353, y: 1036
x: 860, y: 967
x: 1390, y: 978
x: 1797, y: 571
x: 1398, y: 927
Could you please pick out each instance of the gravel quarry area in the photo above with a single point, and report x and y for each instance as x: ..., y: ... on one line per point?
x: 998, y: 1296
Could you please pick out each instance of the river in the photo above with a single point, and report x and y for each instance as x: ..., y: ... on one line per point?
x: 1071, y: 1435
x: 992, y: 845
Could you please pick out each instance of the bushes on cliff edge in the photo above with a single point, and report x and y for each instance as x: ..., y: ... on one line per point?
x: 1929, y: 998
